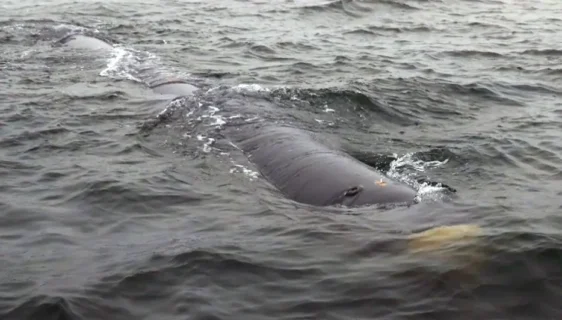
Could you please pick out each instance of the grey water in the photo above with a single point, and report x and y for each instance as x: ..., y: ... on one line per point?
x: 118, y: 203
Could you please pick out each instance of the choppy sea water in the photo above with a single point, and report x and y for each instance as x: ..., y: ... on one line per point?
x: 117, y: 203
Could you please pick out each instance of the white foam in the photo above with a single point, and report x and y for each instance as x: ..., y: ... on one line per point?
x: 170, y: 107
x: 326, y: 109
x: 240, y: 168
x: 252, y: 119
x: 207, y: 146
x: 418, y: 165
x: 425, y: 191
x: 235, y: 146
x: 219, y: 121
x: 131, y: 64
x: 118, y: 65
x: 208, y: 143
x: 429, y: 192
x: 250, y: 87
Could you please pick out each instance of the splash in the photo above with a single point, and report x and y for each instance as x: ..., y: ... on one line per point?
x: 140, y: 66
x: 404, y: 169
x: 120, y: 65
x: 408, y: 161
x: 238, y: 168
x: 208, y: 142
x: 250, y: 88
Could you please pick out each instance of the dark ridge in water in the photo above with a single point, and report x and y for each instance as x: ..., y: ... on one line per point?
x: 265, y: 53
x: 44, y: 307
x: 483, y: 91
x: 474, y: 53
x: 355, y: 8
x: 543, y: 52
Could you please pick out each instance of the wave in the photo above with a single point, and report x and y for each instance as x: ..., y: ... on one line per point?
x: 356, y: 8
x: 543, y: 52
x: 520, y: 273
x: 473, y: 53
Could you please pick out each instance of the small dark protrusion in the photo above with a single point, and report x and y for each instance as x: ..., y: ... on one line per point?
x: 353, y: 191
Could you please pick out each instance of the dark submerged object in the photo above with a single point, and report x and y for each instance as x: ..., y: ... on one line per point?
x: 301, y: 167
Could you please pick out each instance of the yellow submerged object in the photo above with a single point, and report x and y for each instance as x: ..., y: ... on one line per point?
x: 439, y: 238
x: 458, y: 248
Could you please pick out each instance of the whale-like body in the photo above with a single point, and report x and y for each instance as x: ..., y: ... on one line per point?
x: 291, y: 159
x: 168, y: 86
x: 308, y: 171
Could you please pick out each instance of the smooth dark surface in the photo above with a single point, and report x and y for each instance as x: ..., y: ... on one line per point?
x: 307, y: 171
x: 116, y: 203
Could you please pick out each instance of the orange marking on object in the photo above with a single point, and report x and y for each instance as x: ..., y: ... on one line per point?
x: 381, y: 183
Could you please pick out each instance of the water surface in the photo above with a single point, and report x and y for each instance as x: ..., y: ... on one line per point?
x: 111, y: 212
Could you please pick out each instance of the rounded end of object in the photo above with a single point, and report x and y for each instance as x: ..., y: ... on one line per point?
x: 439, y: 238
x: 174, y: 87
x: 82, y: 42
x: 460, y: 245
